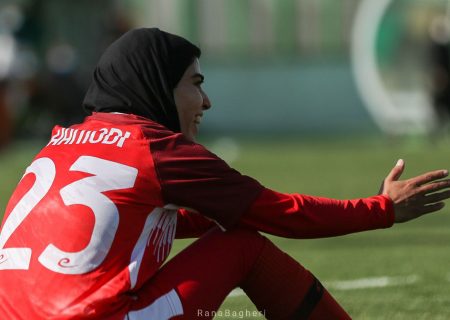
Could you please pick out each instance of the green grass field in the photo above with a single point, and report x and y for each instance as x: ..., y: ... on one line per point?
x: 418, y: 251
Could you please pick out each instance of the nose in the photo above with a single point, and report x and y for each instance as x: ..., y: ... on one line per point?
x: 206, y: 102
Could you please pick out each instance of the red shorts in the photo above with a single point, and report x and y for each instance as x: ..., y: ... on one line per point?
x: 195, y: 282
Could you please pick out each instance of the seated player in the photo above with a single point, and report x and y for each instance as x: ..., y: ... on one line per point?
x: 90, y: 224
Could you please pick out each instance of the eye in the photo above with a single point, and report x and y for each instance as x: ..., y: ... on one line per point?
x: 198, y: 83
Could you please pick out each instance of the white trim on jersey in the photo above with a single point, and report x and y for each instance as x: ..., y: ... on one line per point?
x: 163, y: 308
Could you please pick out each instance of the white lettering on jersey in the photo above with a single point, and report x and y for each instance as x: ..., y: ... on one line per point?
x: 106, y: 176
x: 19, y: 258
x: 111, y: 136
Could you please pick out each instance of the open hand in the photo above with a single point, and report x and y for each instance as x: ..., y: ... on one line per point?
x: 416, y: 196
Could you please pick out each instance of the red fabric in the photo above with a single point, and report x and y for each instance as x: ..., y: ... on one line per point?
x: 195, y: 178
x: 107, y: 193
x: 190, y: 176
x: 275, y: 282
x: 210, y: 268
x: 278, y: 286
x: 93, y: 293
x: 302, y: 216
x: 85, y: 168
x: 192, y: 225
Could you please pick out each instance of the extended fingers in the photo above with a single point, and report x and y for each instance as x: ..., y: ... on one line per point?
x: 429, y: 177
x: 434, y: 186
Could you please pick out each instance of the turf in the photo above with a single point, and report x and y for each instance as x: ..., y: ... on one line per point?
x: 339, y: 168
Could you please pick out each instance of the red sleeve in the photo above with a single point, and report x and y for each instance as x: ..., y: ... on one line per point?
x: 191, y: 224
x: 302, y: 216
x: 192, y: 177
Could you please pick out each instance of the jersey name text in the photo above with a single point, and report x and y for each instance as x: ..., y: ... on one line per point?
x: 112, y: 136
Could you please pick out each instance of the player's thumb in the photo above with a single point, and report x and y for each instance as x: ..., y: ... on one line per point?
x: 397, y: 171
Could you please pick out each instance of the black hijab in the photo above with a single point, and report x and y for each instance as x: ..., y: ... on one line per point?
x: 137, y: 74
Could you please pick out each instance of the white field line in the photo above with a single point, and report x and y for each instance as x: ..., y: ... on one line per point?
x: 362, y: 283
x: 378, y: 282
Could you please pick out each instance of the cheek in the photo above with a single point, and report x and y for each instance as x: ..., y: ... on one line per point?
x: 189, y: 102
x: 185, y: 110
x: 193, y: 98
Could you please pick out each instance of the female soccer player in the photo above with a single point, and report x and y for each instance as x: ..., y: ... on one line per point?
x: 87, y: 230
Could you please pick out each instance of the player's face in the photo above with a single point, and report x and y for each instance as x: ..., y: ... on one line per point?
x: 191, y: 100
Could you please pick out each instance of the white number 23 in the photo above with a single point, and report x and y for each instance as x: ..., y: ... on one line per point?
x: 106, y: 176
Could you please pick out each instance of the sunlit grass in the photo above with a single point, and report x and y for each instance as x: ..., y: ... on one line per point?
x: 339, y: 168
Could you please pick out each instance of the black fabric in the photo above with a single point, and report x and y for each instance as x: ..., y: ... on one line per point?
x: 310, y: 301
x: 137, y: 74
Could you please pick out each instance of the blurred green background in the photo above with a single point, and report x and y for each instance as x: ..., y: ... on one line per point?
x: 287, y: 110
x: 271, y: 66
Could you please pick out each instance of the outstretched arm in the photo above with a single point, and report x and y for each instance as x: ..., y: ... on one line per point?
x: 302, y: 216
x: 192, y: 177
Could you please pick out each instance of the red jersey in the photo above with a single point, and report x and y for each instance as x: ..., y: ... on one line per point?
x: 95, y: 214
